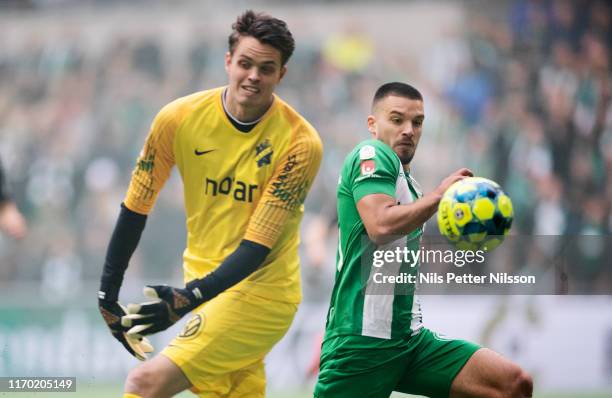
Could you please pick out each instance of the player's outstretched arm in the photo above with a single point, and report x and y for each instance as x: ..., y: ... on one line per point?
x: 383, y: 217
x: 124, y: 240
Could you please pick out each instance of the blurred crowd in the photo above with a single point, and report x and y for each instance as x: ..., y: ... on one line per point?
x: 520, y: 93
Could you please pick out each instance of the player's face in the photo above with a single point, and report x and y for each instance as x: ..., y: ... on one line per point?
x: 254, y: 70
x: 398, y: 122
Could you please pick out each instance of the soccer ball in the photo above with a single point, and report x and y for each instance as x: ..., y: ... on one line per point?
x: 475, y: 214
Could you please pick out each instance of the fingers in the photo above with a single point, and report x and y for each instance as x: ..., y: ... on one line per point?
x: 146, y: 308
x: 146, y: 345
x: 158, y: 292
x: 151, y: 292
x: 460, y: 175
x: 139, y: 329
x: 148, y: 329
x: 150, y: 317
x: 145, y: 318
x: 127, y: 321
x: 129, y: 347
x: 136, y: 345
x: 120, y: 320
x: 122, y: 307
x: 147, y: 315
x: 464, y: 171
x: 140, y: 346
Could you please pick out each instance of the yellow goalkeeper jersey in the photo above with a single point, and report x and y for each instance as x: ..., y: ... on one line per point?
x: 236, y: 185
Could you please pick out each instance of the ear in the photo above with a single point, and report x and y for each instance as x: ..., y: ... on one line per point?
x: 282, y: 72
x: 228, y: 61
x: 372, y: 125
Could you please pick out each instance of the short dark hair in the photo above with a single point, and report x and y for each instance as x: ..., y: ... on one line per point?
x: 396, y: 88
x: 266, y: 29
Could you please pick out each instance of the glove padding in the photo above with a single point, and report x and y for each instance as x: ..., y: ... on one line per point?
x: 135, y: 344
x: 170, y: 305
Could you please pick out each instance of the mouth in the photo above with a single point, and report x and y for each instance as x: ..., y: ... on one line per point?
x: 251, y: 89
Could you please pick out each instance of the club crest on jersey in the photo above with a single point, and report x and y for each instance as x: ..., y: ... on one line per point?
x: 368, y: 167
x: 263, y: 153
x: 367, y: 152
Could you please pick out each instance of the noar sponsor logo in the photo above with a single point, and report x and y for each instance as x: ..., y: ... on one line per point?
x: 230, y: 186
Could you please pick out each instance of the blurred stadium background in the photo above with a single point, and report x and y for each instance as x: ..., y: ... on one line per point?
x: 519, y: 91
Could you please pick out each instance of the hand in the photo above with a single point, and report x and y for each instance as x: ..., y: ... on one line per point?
x: 112, y: 312
x: 170, y: 305
x: 12, y: 221
x: 453, y: 178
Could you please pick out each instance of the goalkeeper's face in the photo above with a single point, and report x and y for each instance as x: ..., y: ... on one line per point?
x: 398, y: 122
x: 254, y: 69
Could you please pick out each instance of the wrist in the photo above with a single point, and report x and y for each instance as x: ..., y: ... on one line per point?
x: 194, y: 288
x: 434, y: 197
x: 109, y: 290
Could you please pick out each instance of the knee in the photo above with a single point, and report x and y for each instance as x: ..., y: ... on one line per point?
x: 521, y: 384
x: 141, y: 381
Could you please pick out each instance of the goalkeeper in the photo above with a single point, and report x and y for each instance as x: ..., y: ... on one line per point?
x: 247, y: 160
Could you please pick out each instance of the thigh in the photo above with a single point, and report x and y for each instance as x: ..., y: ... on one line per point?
x: 232, y: 332
x: 347, y: 371
x: 484, y: 375
x: 435, y: 363
x: 249, y: 382
x: 160, y: 375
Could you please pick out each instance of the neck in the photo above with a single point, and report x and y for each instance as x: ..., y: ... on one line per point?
x: 406, y: 167
x: 242, y: 113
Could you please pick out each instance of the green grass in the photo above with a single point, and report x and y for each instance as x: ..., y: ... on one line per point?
x: 110, y: 391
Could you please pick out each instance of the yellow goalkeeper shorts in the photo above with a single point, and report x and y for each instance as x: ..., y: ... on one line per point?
x: 222, y: 347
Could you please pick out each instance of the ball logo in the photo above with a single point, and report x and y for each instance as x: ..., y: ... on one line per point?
x: 192, y: 327
x: 458, y: 214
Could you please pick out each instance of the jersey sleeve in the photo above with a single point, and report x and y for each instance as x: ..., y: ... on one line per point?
x: 287, y: 189
x: 374, y: 170
x: 154, y: 163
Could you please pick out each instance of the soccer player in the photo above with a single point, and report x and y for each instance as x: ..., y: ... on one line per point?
x: 247, y: 160
x: 376, y: 343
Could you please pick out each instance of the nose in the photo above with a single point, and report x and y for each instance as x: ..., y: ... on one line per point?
x: 408, y: 131
x: 253, y: 75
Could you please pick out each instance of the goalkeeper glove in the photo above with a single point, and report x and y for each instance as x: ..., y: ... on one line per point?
x: 170, y: 305
x: 112, y: 312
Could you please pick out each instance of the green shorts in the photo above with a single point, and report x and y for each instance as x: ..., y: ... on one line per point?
x: 360, y: 366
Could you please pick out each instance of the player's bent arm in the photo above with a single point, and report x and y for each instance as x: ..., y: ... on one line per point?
x: 383, y: 218
x: 237, y: 266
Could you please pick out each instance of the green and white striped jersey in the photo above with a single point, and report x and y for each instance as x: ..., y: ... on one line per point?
x: 359, y: 305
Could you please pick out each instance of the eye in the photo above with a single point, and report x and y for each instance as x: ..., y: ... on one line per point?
x: 244, y: 64
x: 267, y: 70
x: 396, y: 120
x: 417, y: 123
